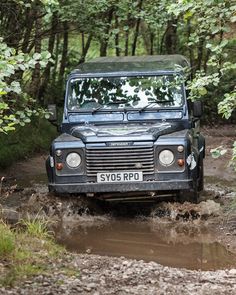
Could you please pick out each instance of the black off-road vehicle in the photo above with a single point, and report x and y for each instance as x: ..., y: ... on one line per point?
x: 128, y: 129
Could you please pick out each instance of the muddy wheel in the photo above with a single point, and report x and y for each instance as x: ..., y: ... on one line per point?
x: 201, y: 176
x: 191, y: 196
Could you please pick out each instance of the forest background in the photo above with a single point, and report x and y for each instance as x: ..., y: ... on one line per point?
x: 41, y: 41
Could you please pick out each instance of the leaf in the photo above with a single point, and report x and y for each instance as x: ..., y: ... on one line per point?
x: 202, y: 91
x: 233, y: 19
x: 8, y: 128
x: 188, y: 15
x: 27, y: 120
x: 47, y: 116
x: 215, y: 153
x: 223, y: 152
x: 22, y: 67
x: 37, y: 56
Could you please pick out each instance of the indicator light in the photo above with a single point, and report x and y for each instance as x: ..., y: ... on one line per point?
x: 180, y: 162
x: 59, y: 166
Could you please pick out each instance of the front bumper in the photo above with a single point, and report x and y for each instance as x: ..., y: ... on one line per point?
x: 143, y: 186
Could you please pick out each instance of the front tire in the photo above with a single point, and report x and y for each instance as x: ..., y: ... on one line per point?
x: 191, y: 196
x: 201, y: 176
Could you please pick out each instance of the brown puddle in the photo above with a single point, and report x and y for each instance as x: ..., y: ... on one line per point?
x: 149, y: 241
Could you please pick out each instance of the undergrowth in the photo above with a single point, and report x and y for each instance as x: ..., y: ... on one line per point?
x: 26, y: 250
x: 32, y: 138
x: 7, y: 241
x: 231, y: 207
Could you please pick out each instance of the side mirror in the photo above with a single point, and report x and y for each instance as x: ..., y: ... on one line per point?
x: 52, y: 108
x: 197, y: 108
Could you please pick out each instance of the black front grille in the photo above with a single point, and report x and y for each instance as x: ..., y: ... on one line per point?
x: 111, y: 159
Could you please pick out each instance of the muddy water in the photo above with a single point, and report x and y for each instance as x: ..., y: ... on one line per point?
x: 150, y: 241
x: 187, y: 246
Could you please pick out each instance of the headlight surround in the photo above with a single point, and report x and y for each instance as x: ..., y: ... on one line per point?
x: 73, y: 160
x: 166, y: 157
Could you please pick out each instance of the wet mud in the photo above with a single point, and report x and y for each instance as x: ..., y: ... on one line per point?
x: 186, y: 246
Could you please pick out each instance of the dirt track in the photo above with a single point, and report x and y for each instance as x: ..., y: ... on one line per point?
x: 107, y: 275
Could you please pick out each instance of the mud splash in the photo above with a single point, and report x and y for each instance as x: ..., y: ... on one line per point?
x: 187, y: 211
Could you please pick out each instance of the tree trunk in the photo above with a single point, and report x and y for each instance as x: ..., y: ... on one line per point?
x: 51, y: 43
x: 117, y: 39
x: 220, y: 41
x: 146, y: 35
x: 64, y: 56
x: 85, y: 49
x: 29, y: 22
x: 136, y: 33
x: 171, y: 37
x: 35, y: 82
x: 104, y: 42
x: 14, y: 26
x: 127, y: 35
x: 82, y: 43
x: 200, y: 49
x: 152, y: 36
x: 189, y: 47
x: 56, y: 56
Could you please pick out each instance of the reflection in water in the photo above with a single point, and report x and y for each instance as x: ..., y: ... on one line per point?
x: 144, y: 240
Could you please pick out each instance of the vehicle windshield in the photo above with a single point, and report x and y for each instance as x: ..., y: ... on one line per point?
x: 139, y: 92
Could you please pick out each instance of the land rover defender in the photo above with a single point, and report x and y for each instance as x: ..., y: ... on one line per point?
x: 128, y: 129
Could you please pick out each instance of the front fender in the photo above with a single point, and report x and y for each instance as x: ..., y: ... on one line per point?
x: 201, y: 146
x: 49, y: 170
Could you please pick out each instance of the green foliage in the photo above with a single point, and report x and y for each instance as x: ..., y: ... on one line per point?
x: 228, y: 104
x: 198, y: 85
x: 7, y: 240
x: 16, y: 107
x: 232, y: 163
x: 36, y: 227
x: 33, y: 137
x: 217, y: 152
x: 207, y: 44
x: 26, y: 252
x: 209, y: 54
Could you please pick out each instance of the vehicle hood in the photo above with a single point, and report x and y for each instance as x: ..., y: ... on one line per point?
x: 119, y: 132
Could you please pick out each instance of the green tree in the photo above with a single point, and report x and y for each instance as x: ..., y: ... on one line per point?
x: 16, y: 107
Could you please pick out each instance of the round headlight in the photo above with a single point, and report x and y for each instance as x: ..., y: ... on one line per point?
x: 166, y: 157
x: 73, y: 160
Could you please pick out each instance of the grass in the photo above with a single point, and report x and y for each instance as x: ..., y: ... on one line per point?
x: 34, y: 137
x: 230, y: 208
x: 27, y: 250
x: 37, y: 227
x: 7, y: 241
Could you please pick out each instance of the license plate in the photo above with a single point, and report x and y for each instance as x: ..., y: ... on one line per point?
x: 120, y: 176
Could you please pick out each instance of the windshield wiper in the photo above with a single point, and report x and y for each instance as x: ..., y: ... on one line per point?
x: 117, y: 101
x: 153, y: 102
x: 109, y: 103
x: 97, y: 109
